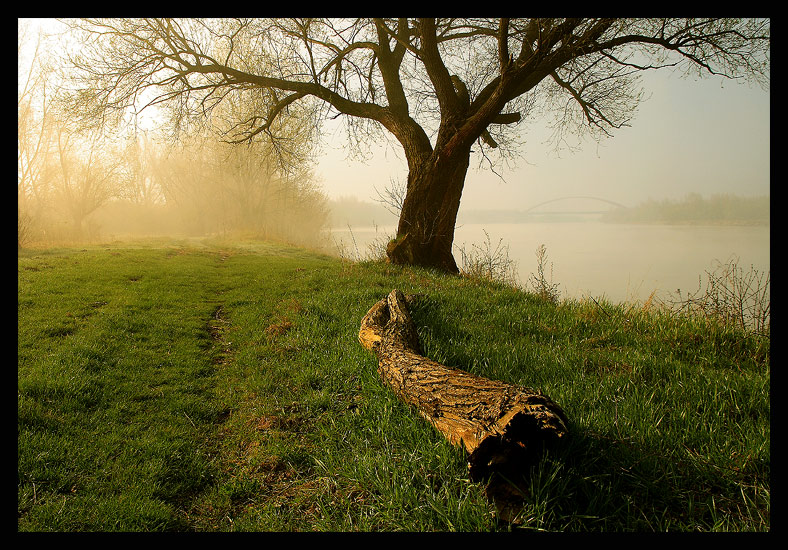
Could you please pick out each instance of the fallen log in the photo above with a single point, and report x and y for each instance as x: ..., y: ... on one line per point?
x: 503, y: 427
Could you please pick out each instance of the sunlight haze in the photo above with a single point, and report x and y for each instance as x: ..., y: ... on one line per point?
x: 689, y: 135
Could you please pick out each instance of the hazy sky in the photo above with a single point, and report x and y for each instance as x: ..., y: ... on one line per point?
x: 705, y: 136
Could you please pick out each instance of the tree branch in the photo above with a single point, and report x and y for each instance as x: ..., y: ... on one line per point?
x: 436, y: 69
x: 389, y: 64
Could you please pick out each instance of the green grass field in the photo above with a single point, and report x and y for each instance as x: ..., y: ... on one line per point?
x: 212, y: 386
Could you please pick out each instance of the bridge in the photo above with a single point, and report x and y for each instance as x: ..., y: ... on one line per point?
x: 587, y: 197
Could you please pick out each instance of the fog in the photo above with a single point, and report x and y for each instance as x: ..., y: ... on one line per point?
x: 690, y: 138
x: 704, y: 136
x: 80, y: 183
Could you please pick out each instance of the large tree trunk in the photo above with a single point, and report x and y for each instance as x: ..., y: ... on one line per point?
x: 503, y: 427
x: 429, y: 212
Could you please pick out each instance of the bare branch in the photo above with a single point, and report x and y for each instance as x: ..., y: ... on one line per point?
x: 432, y: 83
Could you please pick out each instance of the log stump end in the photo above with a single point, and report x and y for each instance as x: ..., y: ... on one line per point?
x: 519, y: 447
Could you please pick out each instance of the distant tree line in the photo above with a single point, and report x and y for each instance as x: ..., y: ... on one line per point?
x: 693, y: 208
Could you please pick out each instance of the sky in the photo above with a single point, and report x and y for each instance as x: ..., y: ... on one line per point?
x: 690, y: 135
x: 703, y: 136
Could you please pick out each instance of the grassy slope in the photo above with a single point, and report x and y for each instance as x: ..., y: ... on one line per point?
x: 173, y: 386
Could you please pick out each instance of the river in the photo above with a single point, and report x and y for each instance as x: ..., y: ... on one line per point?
x: 620, y: 262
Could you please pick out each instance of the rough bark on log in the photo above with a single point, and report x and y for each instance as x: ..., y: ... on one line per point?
x: 503, y: 427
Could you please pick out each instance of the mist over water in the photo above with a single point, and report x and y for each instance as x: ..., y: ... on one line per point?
x: 620, y: 262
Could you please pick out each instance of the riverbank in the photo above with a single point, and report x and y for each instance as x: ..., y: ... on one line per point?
x: 621, y: 262
x: 221, y: 387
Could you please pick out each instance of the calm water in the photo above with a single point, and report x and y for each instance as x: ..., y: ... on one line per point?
x: 620, y: 262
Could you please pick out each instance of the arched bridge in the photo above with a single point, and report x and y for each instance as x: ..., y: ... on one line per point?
x: 588, y: 197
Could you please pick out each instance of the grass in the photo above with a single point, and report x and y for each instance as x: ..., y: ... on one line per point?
x: 213, y: 386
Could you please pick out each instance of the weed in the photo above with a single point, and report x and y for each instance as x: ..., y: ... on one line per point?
x: 544, y: 288
x: 731, y: 296
x: 489, y: 263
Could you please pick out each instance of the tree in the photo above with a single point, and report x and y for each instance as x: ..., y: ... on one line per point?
x: 85, y: 174
x: 443, y: 88
x: 139, y: 157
